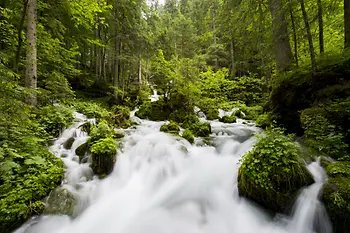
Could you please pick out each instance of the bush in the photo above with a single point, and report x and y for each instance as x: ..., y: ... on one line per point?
x: 187, y: 134
x: 91, y: 109
x: 228, y: 119
x: 121, y: 116
x: 212, y: 114
x: 271, y: 173
x: 264, y: 120
x: 155, y: 111
x: 54, y: 118
x: 103, y: 156
x: 172, y: 128
x: 102, y: 130
x: 200, y: 129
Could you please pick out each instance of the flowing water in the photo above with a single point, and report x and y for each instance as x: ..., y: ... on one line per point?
x: 163, y: 184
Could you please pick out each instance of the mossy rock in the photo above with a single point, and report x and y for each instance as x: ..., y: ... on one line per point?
x: 119, y: 134
x: 201, y: 129
x: 271, y: 174
x: 238, y: 113
x: 68, y: 144
x: 228, y: 119
x: 100, y: 131
x: 212, y: 114
x: 82, y: 150
x: 60, y: 202
x: 155, y: 111
x: 172, y: 128
x: 188, y: 135
x: 104, y: 153
x: 336, y: 199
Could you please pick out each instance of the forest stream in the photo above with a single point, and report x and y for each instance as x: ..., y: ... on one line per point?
x: 164, y: 184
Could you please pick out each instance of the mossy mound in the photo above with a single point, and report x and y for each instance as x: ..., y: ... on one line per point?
x: 264, y: 120
x: 228, y: 119
x: 201, y: 129
x: 104, y: 153
x: 155, y: 111
x: 271, y: 173
x: 188, y: 135
x: 102, y: 130
x: 212, y: 114
x: 336, y: 195
x: 172, y: 128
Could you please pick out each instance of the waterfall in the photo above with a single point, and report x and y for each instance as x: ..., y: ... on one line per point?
x: 164, y: 184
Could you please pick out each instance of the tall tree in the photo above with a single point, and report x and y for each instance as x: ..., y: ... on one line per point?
x: 295, y: 41
x: 31, y: 66
x: 309, y: 36
x: 347, y: 23
x: 320, y: 25
x: 283, y: 51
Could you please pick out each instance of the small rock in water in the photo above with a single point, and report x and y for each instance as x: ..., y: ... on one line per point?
x: 68, y: 144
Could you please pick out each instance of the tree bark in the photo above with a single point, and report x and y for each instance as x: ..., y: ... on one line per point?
x: 320, y: 25
x: 20, y: 40
x: 295, y: 40
x: 233, y: 65
x: 31, y: 66
x: 116, y: 54
x: 309, y: 37
x: 347, y: 23
x: 283, y: 51
x: 140, y: 71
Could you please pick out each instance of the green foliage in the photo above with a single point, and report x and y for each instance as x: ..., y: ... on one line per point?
x: 264, y: 120
x: 104, y: 147
x: 172, y: 128
x: 100, y: 131
x: 200, y: 129
x: 55, y: 118
x: 91, y: 109
x: 321, y: 135
x: 188, y: 135
x: 156, y: 111
x: 228, y: 119
x: 121, y: 116
x: 271, y: 173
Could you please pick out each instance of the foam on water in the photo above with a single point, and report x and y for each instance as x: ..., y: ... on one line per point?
x: 163, y: 184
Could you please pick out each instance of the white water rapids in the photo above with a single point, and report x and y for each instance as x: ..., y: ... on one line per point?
x: 163, y: 184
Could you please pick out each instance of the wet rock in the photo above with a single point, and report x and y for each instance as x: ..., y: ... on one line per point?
x: 68, y: 144
x: 60, y: 201
x: 82, y: 150
x: 104, y: 153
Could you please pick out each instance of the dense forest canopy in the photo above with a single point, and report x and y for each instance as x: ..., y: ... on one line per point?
x: 280, y: 62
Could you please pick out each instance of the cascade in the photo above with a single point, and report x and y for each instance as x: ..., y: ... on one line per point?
x: 164, y: 184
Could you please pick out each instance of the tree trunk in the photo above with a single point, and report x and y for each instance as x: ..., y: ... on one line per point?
x: 309, y: 37
x: 233, y: 66
x: 283, y: 51
x: 140, y: 72
x: 347, y: 23
x: 20, y: 40
x: 31, y: 66
x: 295, y: 40
x: 320, y: 25
x: 116, y: 54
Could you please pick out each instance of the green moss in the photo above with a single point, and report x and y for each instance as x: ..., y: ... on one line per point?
x: 102, y: 130
x: 188, y: 135
x: 118, y: 134
x: 172, y: 128
x: 201, y: 129
x: 271, y: 173
x: 228, y: 119
x: 336, y: 198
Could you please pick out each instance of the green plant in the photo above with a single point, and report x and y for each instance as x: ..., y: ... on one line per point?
x: 228, y: 119
x: 188, y: 135
x: 264, y: 120
x: 105, y: 146
x: 172, y: 128
x: 201, y: 129
x: 101, y: 130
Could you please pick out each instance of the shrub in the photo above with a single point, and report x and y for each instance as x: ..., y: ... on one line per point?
x: 91, y: 109
x: 264, y: 120
x: 201, y: 129
x: 54, y: 118
x: 271, y: 173
x: 212, y: 114
x: 102, y: 130
x: 172, y: 128
x: 228, y: 119
x: 121, y: 116
x: 103, y: 156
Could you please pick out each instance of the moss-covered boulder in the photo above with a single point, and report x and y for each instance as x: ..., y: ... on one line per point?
x: 60, y: 201
x: 68, y: 144
x: 201, y: 129
x: 271, y: 173
x: 188, y: 135
x: 172, y: 128
x: 228, y: 119
x: 82, y: 150
x: 336, y: 195
x: 104, y: 153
